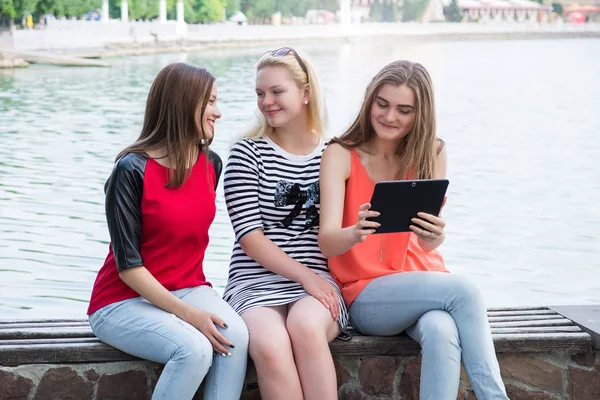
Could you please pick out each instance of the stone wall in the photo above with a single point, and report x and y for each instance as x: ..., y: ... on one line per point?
x: 534, y: 376
x: 64, y: 35
x: 531, y: 376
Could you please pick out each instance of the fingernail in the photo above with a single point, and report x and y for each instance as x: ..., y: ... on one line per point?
x: 232, y: 346
x: 378, y: 225
x: 225, y: 325
x: 224, y: 355
x: 229, y: 354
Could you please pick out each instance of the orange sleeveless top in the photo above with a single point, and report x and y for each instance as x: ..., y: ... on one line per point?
x: 378, y: 255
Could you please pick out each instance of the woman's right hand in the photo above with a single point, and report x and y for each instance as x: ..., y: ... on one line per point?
x: 364, y: 228
x: 205, y: 323
x: 322, y: 290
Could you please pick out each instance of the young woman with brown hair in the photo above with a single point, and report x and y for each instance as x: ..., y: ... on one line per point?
x: 398, y: 282
x: 151, y: 298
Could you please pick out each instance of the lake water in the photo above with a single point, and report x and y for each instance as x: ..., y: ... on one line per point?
x: 520, y: 119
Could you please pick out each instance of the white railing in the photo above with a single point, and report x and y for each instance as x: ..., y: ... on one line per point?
x: 94, y: 34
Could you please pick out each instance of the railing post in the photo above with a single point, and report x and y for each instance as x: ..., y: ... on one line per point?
x: 124, y: 11
x: 162, y: 11
x: 345, y: 12
x: 105, y: 16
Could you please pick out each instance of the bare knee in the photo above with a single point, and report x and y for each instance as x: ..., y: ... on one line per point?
x: 306, y: 332
x: 271, y: 351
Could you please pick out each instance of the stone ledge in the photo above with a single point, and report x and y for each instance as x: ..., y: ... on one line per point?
x: 542, y: 355
x: 586, y: 317
x: 518, y: 330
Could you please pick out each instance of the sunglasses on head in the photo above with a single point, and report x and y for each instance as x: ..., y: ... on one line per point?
x: 284, y: 51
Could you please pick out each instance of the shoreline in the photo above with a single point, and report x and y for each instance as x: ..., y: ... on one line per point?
x: 149, y: 38
x: 117, y: 49
x: 211, y: 37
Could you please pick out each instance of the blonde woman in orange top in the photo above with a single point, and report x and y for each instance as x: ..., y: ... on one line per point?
x: 398, y: 282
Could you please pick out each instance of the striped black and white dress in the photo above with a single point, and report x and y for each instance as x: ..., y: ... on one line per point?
x: 270, y: 189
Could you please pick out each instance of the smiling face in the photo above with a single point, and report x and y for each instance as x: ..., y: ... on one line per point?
x: 278, y: 96
x: 211, y: 114
x: 393, y: 112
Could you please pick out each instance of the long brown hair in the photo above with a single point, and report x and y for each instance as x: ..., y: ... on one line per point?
x: 173, y: 118
x: 416, y: 150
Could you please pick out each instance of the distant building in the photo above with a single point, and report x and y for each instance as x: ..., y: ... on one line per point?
x: 581, y: 13
x: 488, y: 10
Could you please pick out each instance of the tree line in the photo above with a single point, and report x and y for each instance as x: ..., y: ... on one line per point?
x: 196, y: 11
x: 204, y: 11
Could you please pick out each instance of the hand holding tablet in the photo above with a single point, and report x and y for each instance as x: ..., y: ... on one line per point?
x: 398, y: 202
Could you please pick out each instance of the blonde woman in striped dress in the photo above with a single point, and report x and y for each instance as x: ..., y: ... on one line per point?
x: 278, y: 279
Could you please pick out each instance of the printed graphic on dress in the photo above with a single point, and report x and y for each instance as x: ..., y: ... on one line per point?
x: 288, y: 193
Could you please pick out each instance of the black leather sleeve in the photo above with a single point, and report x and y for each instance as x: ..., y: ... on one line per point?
x: 217, y: 165
x: 123, y: 191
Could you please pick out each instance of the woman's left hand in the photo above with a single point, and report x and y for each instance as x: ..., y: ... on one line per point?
x: 428, y: 227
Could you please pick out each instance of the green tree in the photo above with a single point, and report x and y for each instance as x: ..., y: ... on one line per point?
x: 289, y: 8
x: 49, y: 7
x: 142, y: 9
x: 189, y: 11
x: 68, y: 8
x: 299, y: 8
x: 558, y: 8
x: 232, y: 7
x: 210, y: 10
x: 24, y: 7
x: 452, y: 12
x: 171, y: 9
x: 202, y: 11
x: 114, y: 8
x: 384, y: 12
x: 260, y: 10
x: 7, y: 7
x: 257, y: 10
x: 136, y: 9
x: 414, y: 9
x: 329, y: 5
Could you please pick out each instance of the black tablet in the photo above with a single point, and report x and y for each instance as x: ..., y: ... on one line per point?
x: 400, y: 201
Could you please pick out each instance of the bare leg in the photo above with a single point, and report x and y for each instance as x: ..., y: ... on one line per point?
x: 311, y: 328
x: 271, y: 350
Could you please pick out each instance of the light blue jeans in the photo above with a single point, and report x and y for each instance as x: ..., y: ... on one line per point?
x: 446, y: 314
x: 137, y: 327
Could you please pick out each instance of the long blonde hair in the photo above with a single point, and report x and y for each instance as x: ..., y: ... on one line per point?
x: 317, y: 110
x: 416, y: 150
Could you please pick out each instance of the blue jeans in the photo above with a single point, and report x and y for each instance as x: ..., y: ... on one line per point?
x: 446, y: 314
x: 137, y: 327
